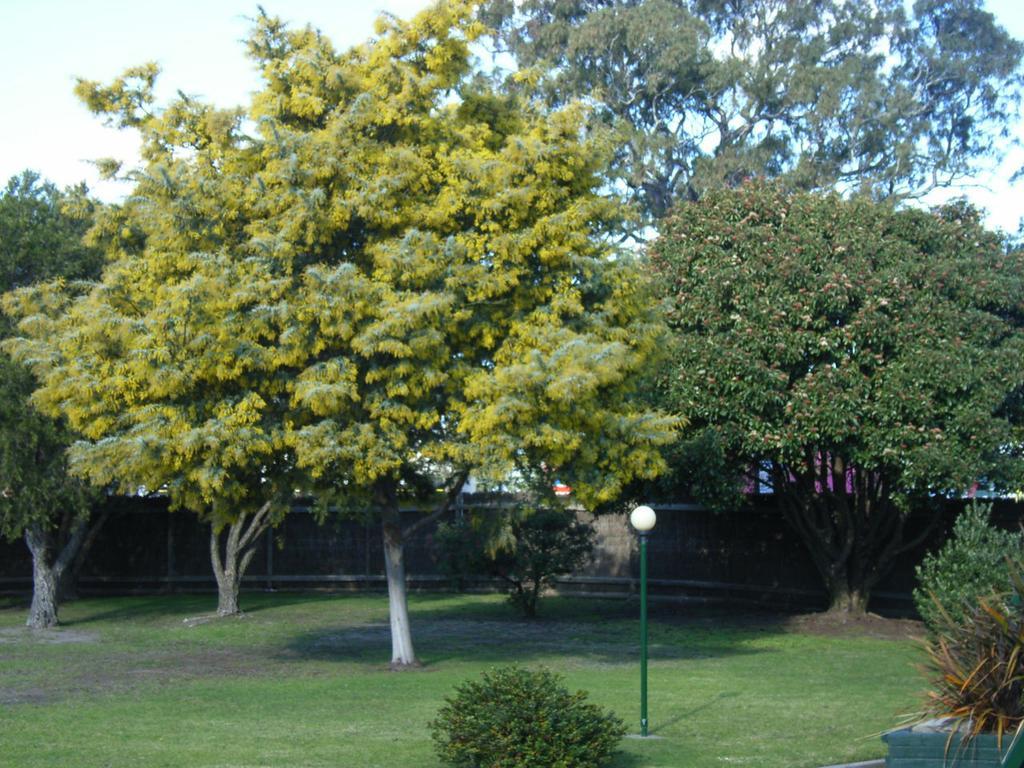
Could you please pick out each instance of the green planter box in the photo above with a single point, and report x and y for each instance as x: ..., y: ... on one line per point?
x: 925, y: 746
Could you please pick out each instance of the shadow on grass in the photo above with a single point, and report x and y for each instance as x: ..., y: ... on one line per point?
x: 626, y: 760
x: 134, y: 609
x: 173, y: 606
x: 456, y: 627
x: 660, y: 726
x: 586, y: 609
x: 593, y: 631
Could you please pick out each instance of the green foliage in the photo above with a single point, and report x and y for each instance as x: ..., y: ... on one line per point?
x: 809, y: 321
x: 701, y: 94
x: 978, y: 662
x: 459, y: 550
x: 700, y: 469
x: 532, y: 546
x: 971, y: 564
x: 34, y: 485
x: 865, y: 356
x: 518, y: 718
x: 41, y: 231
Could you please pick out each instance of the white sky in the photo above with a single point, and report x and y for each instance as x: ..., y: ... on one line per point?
x: 48, y: 43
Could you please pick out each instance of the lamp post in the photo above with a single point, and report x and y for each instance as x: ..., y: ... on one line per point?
x: 643, y: 519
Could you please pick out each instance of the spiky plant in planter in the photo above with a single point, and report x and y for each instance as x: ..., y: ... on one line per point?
x: 978, y: 663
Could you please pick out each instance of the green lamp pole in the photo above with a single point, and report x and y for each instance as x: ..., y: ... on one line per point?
x: 643, y: 519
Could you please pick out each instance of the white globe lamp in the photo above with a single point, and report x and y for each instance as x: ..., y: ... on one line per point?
x: 643, y: 519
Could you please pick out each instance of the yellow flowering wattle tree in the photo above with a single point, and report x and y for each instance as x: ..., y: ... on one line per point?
x: 384, y: 268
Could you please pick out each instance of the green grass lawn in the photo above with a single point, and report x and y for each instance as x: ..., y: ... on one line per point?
x: 302, y: 680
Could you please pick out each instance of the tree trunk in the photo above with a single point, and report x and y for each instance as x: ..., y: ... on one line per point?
x: 402, y: 654
x: 847, y: 597
x: 48, y: 568
x: 67, y: 587
x: 532, y: 598
x: 836, y: 548
x: 43, y: 612
x: 228, y: 587
x: 386, y: 497
x: 239, y: 546
x: 852, y: 528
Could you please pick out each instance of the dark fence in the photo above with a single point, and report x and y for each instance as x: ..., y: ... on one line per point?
x: 748, y: 554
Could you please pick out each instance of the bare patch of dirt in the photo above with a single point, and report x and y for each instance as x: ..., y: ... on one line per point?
x: 23, y: 696
x: 206, y: 618
x: 121, y: 672
x: 825, y: 624
x: 866, y: 625
x: 55, y: 636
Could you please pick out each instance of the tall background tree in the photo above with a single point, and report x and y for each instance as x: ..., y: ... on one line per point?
x: 383, y: 270
x: 866, y: 359
x: 41, y: 239
x: 823, y: 93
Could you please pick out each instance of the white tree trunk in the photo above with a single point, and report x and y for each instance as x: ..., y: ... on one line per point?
x: 402, y: 654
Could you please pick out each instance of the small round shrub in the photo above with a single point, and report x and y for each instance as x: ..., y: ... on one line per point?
x: 971, y: 565
x: 519, y: 718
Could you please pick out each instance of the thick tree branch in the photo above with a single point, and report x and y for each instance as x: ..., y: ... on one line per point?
x: 450, y: 496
